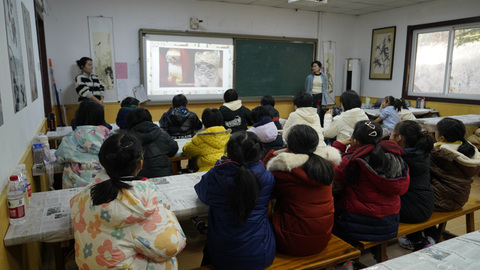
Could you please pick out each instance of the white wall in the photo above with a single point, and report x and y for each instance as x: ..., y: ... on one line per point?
x: 68, y: 40
x: 18, y: 128
x: 401, y: 18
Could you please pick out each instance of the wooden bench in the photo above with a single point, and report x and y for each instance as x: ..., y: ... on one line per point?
x: 337, y: 251
x: 437, y: 218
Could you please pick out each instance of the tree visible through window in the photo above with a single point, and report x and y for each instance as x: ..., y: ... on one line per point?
x: 443, y: 61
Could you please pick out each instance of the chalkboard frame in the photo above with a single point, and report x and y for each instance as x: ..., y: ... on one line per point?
x: 146, y: 31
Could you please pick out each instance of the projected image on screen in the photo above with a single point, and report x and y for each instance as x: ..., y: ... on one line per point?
x: 191, y: 68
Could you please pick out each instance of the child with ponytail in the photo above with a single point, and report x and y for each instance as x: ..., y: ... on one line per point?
x: 388, y: 114
x: 238, y: 190
x: 374, y: 176
x: 453, y: 163
x: 303, y: 214
x: 121, y: 222
x: 417, y: 204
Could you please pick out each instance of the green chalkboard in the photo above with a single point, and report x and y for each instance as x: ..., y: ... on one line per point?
x: 276, y: 68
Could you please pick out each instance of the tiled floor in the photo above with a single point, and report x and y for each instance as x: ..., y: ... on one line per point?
x: 191, y: 256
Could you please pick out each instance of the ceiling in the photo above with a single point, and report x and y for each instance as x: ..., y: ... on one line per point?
x: 347, y: 7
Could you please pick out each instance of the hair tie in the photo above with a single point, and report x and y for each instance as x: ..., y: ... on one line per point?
x: 370, y: 125
x: 372, y: 134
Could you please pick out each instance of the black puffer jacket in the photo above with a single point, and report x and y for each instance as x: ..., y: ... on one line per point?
x: 419, y: 201
x: 158, y: 147
x: 179, y: 122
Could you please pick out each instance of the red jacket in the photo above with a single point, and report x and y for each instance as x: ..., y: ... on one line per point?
x: 303, y: 213
x: 375, y: 195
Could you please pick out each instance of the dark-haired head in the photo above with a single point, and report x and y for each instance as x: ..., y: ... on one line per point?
x: 390, y: 100
x: 244, y: 148
x: 137, y: 116
x: 367, y: 132
x: 179, y: 101
x: 400, y: 104
x: 302, y: 100
x: 130, y: 102
x: 267, y: 100
x: 452, y: 130
x: 230, y: 95
x: 81, y: 63
x: 121, y: 155
x: 350, y: 99
x: 411, y: 133
x: 90, y: 113
x: 303, y: 139
x: 258, y: 112
x: 212, y: 117
x: 316, y: 62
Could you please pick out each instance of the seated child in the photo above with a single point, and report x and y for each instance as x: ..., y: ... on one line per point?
x: 178, y: 121
x: 121, y: 222
x: 388, y: 114
x: 78, y: 151
x: 128, y: 104
x: 303, y: 214
x: 269, y: 103
x: 453, y: 163
x: 341, y: 126
x: 238, y: 190
x: 374, y: 176
x: 403, y: 112
x: 235, y: 116
x: 304, y: 114
x: 208, y: 146
x: 417, y: 204
x: 265, y: 129
x: 157, y: 145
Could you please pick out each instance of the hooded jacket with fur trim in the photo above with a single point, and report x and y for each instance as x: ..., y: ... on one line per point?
x: 451, y: 176
x: 369, y: 210
x: 303, y: 215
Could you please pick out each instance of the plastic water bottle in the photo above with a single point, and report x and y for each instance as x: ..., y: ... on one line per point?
x: 16, y: 201
x: 23, y: 177
x: 37, y: 152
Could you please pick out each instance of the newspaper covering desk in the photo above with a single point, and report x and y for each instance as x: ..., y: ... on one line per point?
x: 468, y: 120
x: 461, y: 252
x: 48, y: 214
x: 414, y: 111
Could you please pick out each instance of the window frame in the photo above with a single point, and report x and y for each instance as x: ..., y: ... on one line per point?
x: 409, y: 65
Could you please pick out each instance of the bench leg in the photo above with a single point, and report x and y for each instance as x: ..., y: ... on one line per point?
x: 382, y: 252
x: 441, y: 230
x: 470, y: 222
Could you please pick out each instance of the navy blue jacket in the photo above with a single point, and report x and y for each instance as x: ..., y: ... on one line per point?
x: 232, y: 245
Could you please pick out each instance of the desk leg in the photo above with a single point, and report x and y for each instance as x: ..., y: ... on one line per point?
x: 470, y: 222
x: 441, y: 230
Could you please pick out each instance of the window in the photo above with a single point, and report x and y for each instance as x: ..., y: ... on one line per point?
x: 443, y: 61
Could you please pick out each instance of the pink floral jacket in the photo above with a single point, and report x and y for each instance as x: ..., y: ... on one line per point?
x: 134, y: 231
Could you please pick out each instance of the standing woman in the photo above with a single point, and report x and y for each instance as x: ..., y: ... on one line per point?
x: 87, y: 84
x: 316, y: 85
